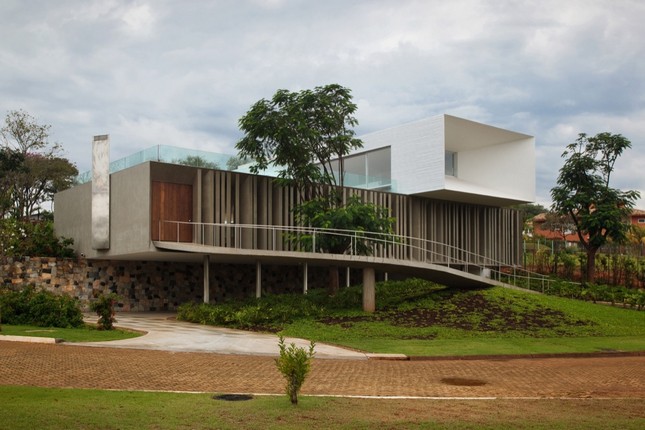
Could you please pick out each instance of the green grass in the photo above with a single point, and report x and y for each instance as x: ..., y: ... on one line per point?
x: 84, y: 334
x: 499, y: 321
x: 47, y: 408
x: 419, y: 318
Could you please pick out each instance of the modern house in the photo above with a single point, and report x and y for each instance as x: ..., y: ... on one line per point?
x: 444, y: 179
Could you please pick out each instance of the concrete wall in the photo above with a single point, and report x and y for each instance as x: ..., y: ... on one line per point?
x: 486, y: 157
x: 417, y: 151
x: 129, y: 214
x: 492, y: 167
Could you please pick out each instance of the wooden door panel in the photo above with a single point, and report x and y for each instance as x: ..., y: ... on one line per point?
x: 171, y: 203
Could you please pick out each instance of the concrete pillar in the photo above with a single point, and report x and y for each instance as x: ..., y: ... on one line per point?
x: 258, y: 279
x: 305, y: 278
x: 369, y: 293
x: 207, y: 284
x: 347, y: 277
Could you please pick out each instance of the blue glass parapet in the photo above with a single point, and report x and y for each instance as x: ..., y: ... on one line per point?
x: 165, y: 154
x: 212, y: 160
x: 381, y: 183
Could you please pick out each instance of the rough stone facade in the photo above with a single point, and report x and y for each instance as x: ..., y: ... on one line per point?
x: 152, y: 285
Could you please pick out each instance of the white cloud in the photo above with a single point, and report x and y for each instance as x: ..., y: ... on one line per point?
x: 183, y: 72
x: 139, y: 20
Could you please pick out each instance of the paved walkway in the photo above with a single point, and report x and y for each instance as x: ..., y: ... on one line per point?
x: 165, y: 333
x: 146, y: 367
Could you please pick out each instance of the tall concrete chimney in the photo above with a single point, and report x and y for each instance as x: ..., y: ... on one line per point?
x: 101, y: 192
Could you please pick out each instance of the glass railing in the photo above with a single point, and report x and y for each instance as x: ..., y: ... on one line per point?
x: 380, y: 183
x: 212, y: 160
x: 165, y: 154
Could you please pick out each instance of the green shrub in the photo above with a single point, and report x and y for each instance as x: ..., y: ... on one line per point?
x: 294, y: 363
x: 23, y: 238
x: 271, y: 312
x: 40, y: 308
x: 104, y: 308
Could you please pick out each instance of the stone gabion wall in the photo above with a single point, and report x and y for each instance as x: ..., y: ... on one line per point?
x: 151, y: 285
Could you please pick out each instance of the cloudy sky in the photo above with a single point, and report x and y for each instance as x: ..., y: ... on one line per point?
x: 182, y: 72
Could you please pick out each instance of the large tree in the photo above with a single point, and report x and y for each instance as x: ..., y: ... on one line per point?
x: 599, y: 212
x: 42, y: 171
x: 306, y: 134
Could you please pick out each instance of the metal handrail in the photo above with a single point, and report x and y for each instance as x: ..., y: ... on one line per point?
x: 383, y: 245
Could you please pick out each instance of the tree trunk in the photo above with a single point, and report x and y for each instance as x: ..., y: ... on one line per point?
x: 591, y: 264
x: 334, y: 282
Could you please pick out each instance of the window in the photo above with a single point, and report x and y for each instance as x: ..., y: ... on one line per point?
x: 371, y: 170
x: 451, y: 163
x: 641, y: 220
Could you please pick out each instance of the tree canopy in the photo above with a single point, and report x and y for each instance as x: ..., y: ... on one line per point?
x: 599, y: 212
x: 306, y: 135
x: 32, y: 168
x: 301, y: 133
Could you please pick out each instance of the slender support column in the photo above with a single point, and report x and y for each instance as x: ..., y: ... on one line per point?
x: 369, y: 294
x: 258, y: 279
x: 306, y: 278
x: 207, y: 280
x: 347, y: 276
x: 386, y: 277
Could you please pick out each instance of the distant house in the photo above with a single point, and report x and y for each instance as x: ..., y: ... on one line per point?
x: 638, y: 217
x: 569, y: 234
x: 564, y: 232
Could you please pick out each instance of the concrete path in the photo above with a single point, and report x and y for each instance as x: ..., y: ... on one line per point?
x: 165, y: 333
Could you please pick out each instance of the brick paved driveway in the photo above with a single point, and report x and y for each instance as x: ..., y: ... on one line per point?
x: 128, y: 369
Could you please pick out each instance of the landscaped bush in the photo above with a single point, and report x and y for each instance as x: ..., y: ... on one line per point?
x: 268, y: 313
x: 40, y: 308
x: 104, y: 308
x: 23, y: 238
x: 273, y: 312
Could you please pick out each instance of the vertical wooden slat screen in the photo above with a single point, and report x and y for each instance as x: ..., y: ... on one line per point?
x: 239, y: 198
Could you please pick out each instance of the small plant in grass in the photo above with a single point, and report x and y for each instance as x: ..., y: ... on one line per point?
x: 104, y: 308
x: 294, y: 363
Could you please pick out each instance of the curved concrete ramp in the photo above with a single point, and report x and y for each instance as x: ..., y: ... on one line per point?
x: 439, y: 273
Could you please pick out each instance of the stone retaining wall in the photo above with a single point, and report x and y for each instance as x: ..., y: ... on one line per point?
x: 152, y: 285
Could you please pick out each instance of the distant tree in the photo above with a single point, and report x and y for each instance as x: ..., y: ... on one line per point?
x: 636, y: 235
x: 561, y: 224
x: 234, y: 162
x: 22, y: 133
x: 197, y: 161
x: 11, y: 163
x: 42, y: 172
x: 530, y: 210
x: 599, y: 212
x: 44, y: 177
x: 306, y: 134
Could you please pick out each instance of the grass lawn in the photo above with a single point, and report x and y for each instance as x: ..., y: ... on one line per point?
x: 419, y: 318
x: 88, y: 333
x: 488, y: 321
x: 46, y: 408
